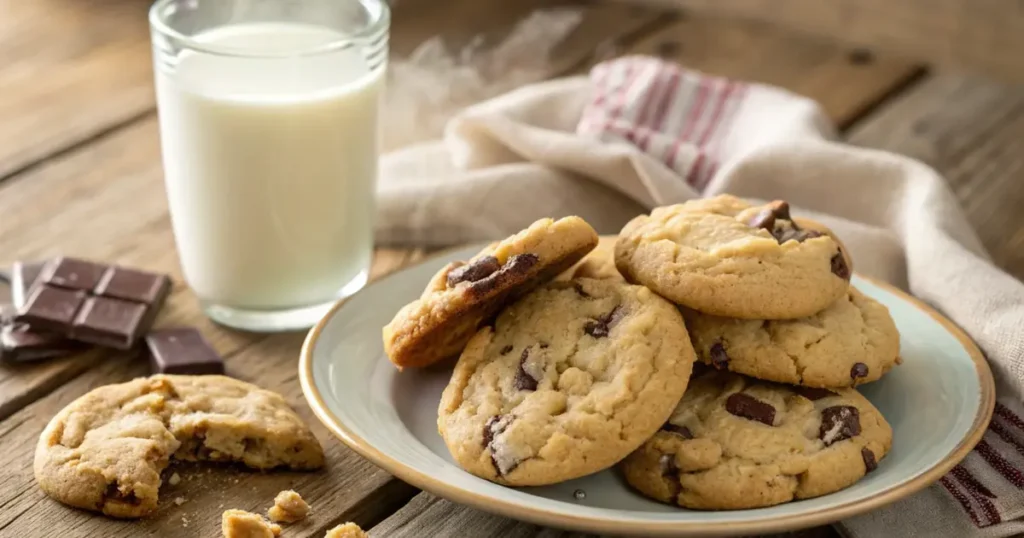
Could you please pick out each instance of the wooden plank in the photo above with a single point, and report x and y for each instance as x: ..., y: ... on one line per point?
x: 348, y: 488
x: 68, y: 71
x: 985, y: 36
x: 847, y: 85
x: 427, y: 515
x: 972, y: 132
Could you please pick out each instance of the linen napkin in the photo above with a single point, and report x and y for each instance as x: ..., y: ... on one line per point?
x: 640, y: 133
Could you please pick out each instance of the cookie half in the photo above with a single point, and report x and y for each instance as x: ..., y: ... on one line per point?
x: 570, y: 380
x: 465, y: 294
x: 734, y: 442
x: 853, y: 341
x: 105, y: 451
x: 725, y: 257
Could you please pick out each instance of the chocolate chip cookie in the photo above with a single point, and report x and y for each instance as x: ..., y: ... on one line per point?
x: 853, y: 341
x: 725, y: 257
x: 569, y: 381
x: 734, y: 442
x: 105, y: 451
x: 464, y: 294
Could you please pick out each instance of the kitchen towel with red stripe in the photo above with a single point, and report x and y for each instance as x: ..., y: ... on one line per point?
x: 640, y: 133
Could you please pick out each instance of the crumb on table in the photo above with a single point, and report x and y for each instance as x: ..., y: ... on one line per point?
x: 242, y: 524
x: 348, y: 530
x: 174, y: 480
x: 289, y: 507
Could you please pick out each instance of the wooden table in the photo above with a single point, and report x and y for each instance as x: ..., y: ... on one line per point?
x: 80, y: 174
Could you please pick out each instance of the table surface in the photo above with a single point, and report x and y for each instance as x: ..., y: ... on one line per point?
x: 80, y: 174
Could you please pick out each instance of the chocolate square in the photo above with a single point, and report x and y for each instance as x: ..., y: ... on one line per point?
x: 50, y: 308
x: 182, y: 351
x: 108, y: 322
x: 133, y: 285
x: 73, y: 273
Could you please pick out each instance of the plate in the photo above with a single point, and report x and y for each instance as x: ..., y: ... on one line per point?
x: 938, y: 401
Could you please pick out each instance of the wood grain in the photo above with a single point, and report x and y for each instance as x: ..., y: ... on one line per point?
x: 972, y: 132
x: 69, y: 71
x: 427, y: 515
x: 984, y: 36
x: 846, y: 85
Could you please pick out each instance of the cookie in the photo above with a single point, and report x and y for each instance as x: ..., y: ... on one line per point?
x: 105, y: 451
x: 569, y: 381
x: 725, y: 257
x: 853, y: 341
x: 242, y: 524
x: 734, y: 442
x: 347, y: 530
x: 463, y: 295
x: 600, y: 263
x: 289, y: 507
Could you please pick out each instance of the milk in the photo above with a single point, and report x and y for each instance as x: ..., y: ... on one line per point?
x: 270, y: 165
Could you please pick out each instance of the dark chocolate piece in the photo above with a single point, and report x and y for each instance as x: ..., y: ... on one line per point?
x: 812, y: 393
x: 515, y: 268
x: 719, y: 358
x: 839, y: 266
x: 870, y: 463
x: 98, y: 304
x: 602, y: 327
x: 24, y: 276
x: 20, y: 344
x: 506, y: 349
x: 748, y: 407
x: 678, y: 430
x: 182, y: 351
x: 477, y: 270
x: 838, y: 423
x: 523, y: 380
x: 859, y: 369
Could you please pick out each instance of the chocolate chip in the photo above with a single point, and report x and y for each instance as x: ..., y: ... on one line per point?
x: 780, y: 209
x: 838, y: 423
x: 794, y: 232
x: 494, y: 427
x: 579, y: 289
x: 678, y: 430
x: 870, y: 463
x: 614, y: 317
x: 523, y: 380
x: 812, y: 393
x: 515, y: 266
x: 859, y: 369
x: 601, y: 327
x: 764, y: 219
x: 596, y: 329
x: 667, y: 462
x: 544, y: 345
x: 474, y: 271
x: 839, y: 266
x: 488, y: 432
x: 719, y: 358
x: 743, y: 405
x: 506, y: 349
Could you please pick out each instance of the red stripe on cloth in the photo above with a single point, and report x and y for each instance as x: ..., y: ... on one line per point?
x: 999, y: 463
x: 667, y: 97
x: 649, y: 96
x: 965, y: 503
x: 979, y: 493
x: 694, y: 178
x: 1005, y: 434
x: 1009, y: 415
x: 690, y: 120
x: 621, y: 95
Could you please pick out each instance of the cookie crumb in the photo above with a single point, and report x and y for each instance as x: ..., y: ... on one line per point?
x: 242, y: 524
x: 184, y: 521
x: 289, y: 507
x: 174, y: 480
x: 179, y: 501
x: 348, y: 530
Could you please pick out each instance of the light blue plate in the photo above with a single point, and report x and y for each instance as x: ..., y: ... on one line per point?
x: 938, y: 401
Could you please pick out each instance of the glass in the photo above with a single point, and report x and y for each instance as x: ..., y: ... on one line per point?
x: 269, y: 131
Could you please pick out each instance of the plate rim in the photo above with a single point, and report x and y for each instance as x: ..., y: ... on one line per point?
x: 779, y: 523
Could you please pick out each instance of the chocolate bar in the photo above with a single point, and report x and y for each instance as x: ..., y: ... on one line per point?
x: 182, y: 351
x: 20, y: 344
x: 23, y: 277
x: 99, y: 304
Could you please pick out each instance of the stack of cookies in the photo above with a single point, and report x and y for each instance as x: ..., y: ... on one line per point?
x: 710, y: 349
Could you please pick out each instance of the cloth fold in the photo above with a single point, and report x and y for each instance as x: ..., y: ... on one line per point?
x: 640, y: 133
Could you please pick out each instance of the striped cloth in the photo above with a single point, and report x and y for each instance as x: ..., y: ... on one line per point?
x: 639, y: 133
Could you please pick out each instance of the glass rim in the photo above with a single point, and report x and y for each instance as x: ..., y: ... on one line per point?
x: 378, y: 24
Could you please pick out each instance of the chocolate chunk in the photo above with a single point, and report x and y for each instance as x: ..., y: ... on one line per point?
x: 492, y: 428
x: 18, y: 343
x: 785, y: 233
x: 839, y: 266
x: 602, y: 327
x: 614, y: 317
x: 515, y: 267
x: 523, y: 380
x: 474, y: 271
x: 98, y: 304
x: 812, y: 393
x: 870, y: 463
x: 506, y: 349
x: 667, y: 463
x: 678, y: 430
x: 764, y: 219
x: 838, y: 423
x: 182, y: 351
x: 743, y: 405
x: 719, y: 358
x: 488, y: 431
x: 780, y: 209
x: 597, y: 329
x: 859, y: 369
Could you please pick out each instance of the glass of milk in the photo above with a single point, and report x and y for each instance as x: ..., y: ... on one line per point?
x: 269, y: 130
